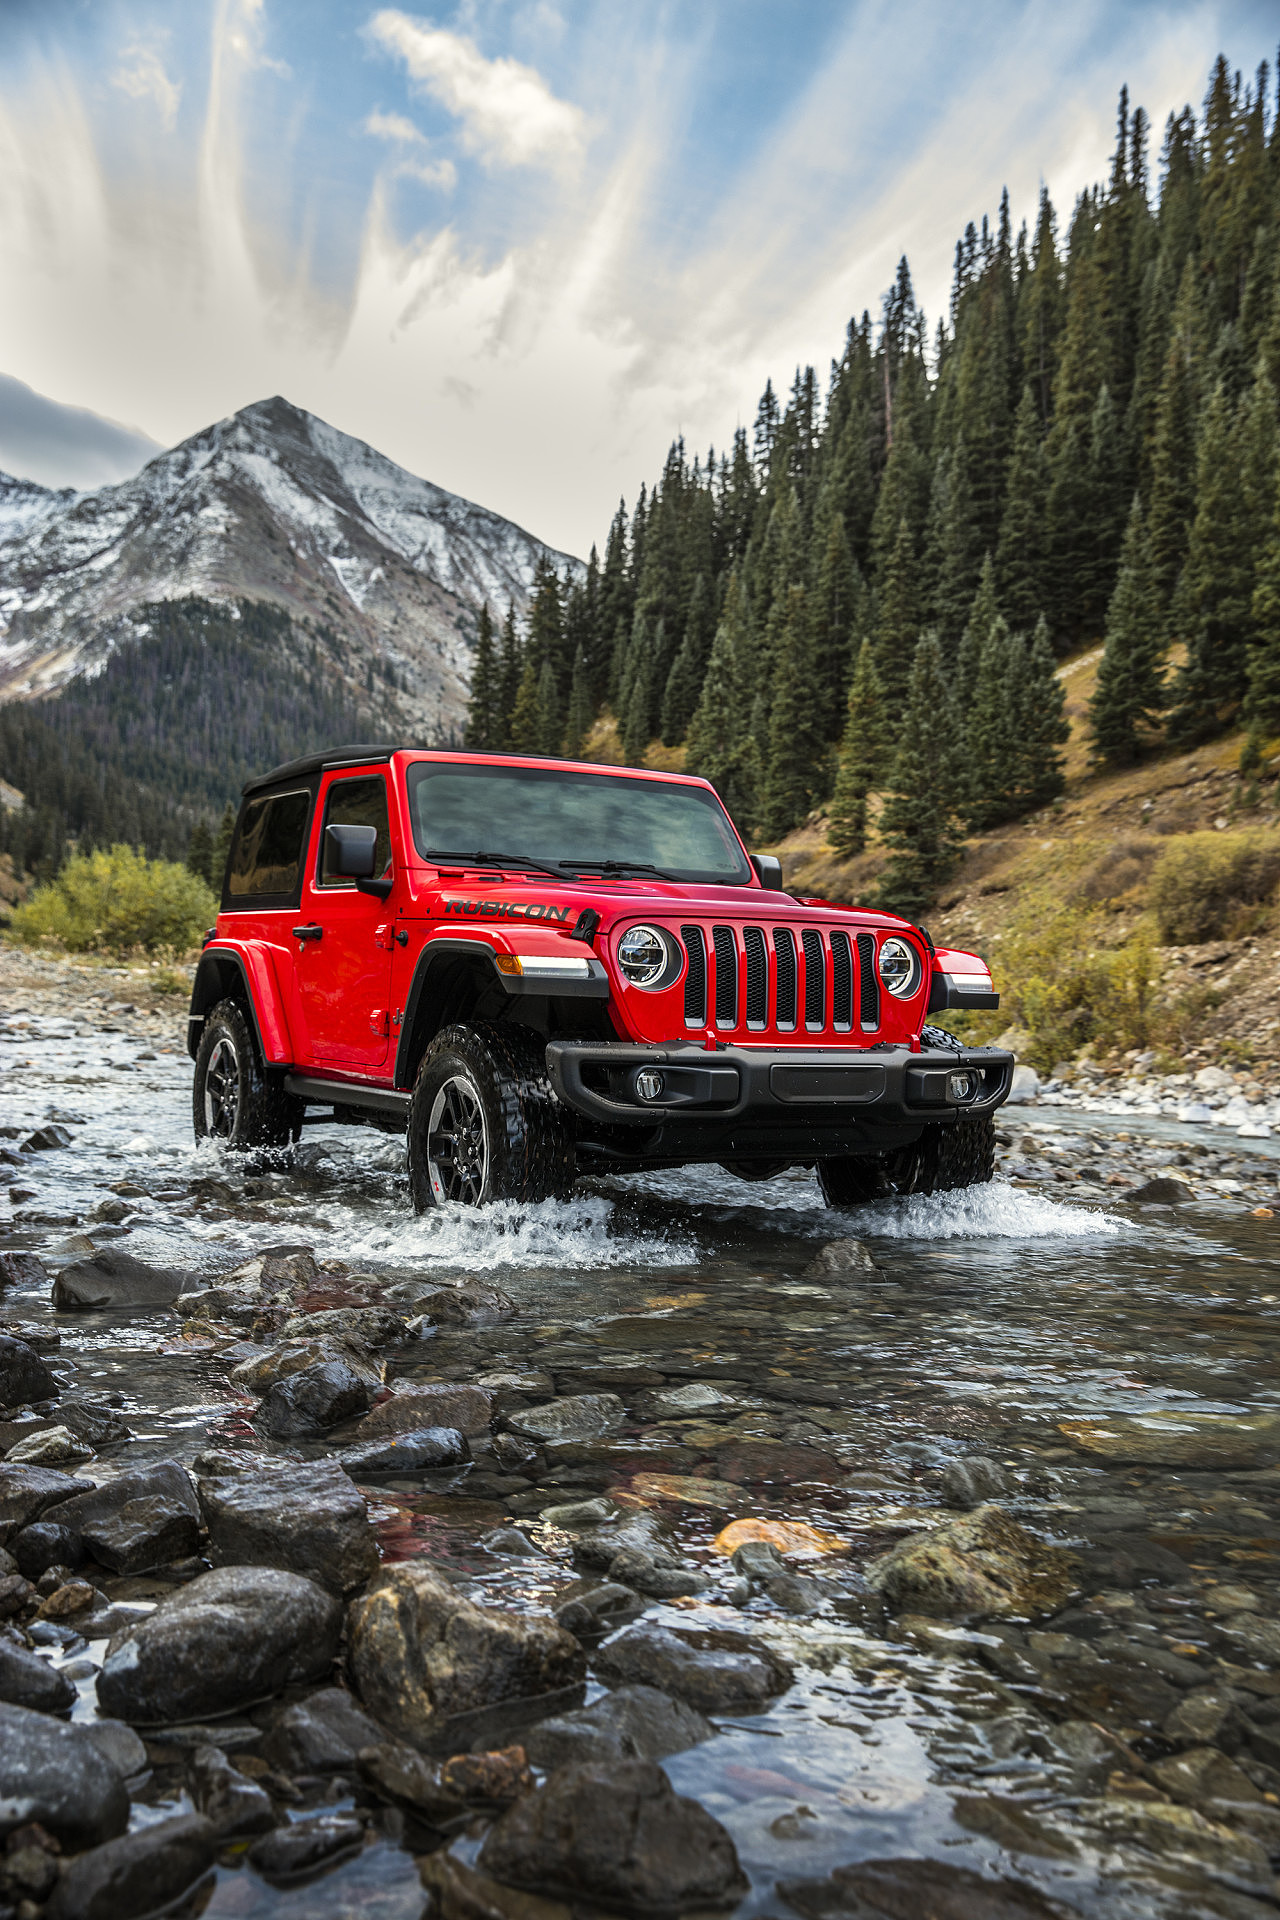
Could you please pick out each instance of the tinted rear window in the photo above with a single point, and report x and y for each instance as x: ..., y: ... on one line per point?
x: 269, y: 846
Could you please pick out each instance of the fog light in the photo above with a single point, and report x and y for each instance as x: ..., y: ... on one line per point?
x: 960, y: 1086
x: 649, y: 1084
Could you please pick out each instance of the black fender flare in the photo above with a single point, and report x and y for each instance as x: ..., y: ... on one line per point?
x: 219, y: 973
x: 440, y: 951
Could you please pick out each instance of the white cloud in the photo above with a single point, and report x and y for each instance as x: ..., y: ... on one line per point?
x: 142, y: 76
x: 395, y: 128
x: 509, y: 115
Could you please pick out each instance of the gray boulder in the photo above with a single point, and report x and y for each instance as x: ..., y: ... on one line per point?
x: 28, y: 1681
x: 22, y: 1270
x: 307, y: 1517
x: 441, y: 1404
x: 619, y: 1835
x: 141, y: 1873
x: 141, y: 1519
x: 229, y: 1638
x: 715, y: 1672
x: 581, y: 1418
x: 633, y: 1723
x: 322, y: 1734
x: 414, y: 1452
x: 967, y: 1483
x: 311, y: 1401
x: 420, y: 1653
x: 24, y: 1377
x: 54, y: 1773
x: 233, y: 1804
x: 110, y: 1278
x: 27, y: 1492
x: 305, y: 1845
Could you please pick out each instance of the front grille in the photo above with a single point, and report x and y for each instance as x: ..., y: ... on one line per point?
x: 815, y: 980
x: 726, y: 951
x: 757, y: 978
x: 868, y: 984
x: 785, y: 947
x: 695, y: 979
x: 841, y: 983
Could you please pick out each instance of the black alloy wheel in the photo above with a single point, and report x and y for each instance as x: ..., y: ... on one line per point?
x: 235, y: 1100
x: 457, y: 1144
x: 485, y: 1123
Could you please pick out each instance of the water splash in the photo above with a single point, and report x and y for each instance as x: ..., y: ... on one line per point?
x: 993, y: 1212
x: 579, y: 1234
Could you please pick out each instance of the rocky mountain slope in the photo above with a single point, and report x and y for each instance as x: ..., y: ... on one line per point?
x: 274, y: 506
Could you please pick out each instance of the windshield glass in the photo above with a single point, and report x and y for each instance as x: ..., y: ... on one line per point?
x: 580, y: 820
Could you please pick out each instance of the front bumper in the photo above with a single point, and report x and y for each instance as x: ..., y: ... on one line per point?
x: 822, y: 1087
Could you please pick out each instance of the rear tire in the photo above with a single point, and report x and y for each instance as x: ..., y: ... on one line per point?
x: 485, y: 1123
x: 235, y: 1100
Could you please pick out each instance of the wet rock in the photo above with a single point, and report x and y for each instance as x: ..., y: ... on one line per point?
x: 118, y: 1744
x: 22, y: 1270
x: 92, y: 1421
x: 591, y: 1607
x: 1012, y: 1826
x: 230, y: 1637
x: 916, y: 1890
x: 757, y: 1560
x: 24, y: 1377
x: 1202, y: 1775
x: 712, y: 1671
x: 308, y: 1403
x: 458, y: 1892
x: 53, y: 1773
x: 309, y: 1518
x: 304, y: 1845
x: 68, y: 1597
x: 469, y: 1409
x: 599, y: 1546
x: 29, y: 1869
x: 495, y: 1778
x: 419, y: 1653
x: 618, y: 1834
x: 141, y: 1873
x: 776, y: 1463
x: 28, y: 1681
x: 632, y: 1723
x: 967, y: 1483
x: 367, y: 1327
x: 474, y: 1302
x: 1179, y: 1835
x: 111, y: 1278
x: 583, y: 1417
x: 797, y: 1592
x: 45, y: 1544
x: 1161, y: 1192
x: 16, y: 1593
x: 577, y: 1516
x: 402, y: 1773
x: 324, y: 1733
x: 844, y: 1257
x: 233, y: 1805
x: 141, y: 1519
x: 635, y: 1568
x: 696, y: 1396
x: 1205, y: 1442
x: 50, y: 1447
x: 1254, y: 1635
x: 27, y: 1492
x: 984, y: 1566
x: 263, y: 1370
x: 417, y: 1451
x: 46, y: 1140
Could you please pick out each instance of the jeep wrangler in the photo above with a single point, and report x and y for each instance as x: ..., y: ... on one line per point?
x: 536, y: 967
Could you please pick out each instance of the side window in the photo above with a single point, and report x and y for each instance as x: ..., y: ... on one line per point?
x: 269, y: 846
x: 355, y: 803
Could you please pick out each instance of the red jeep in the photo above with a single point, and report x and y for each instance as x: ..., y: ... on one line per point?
x: 537, y: 967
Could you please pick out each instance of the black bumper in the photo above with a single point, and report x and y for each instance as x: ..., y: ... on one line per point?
x: 826, y: 1088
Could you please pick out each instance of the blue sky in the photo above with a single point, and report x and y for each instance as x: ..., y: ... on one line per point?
x: 520, y: 244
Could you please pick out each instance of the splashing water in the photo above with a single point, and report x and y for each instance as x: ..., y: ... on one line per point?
x: 998, y: 1211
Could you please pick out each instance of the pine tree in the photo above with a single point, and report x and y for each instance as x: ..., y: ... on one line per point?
x: 689, y: 666
x: 919, y: 818
x: 510, y: 668
x: 795, y: 771
x: 1042, y: 727
x: 199, y: 851
x: 1021, y: 553
x: 222, y: 847
x: 719, y: 744
x: 897, y: 620
x: 1262, y: 700
x: 981, y: 624
x: 864, y: 756
x: 837, y: 602
x: 581, y: 711
x: 985, y: 785
x: 1217, y: 582
x: 484, y: 716
x: 550, y: 729
x: 528, y: 717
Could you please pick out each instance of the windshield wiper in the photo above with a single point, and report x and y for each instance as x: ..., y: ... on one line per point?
x: 618, y: 866
x: 509, y: 860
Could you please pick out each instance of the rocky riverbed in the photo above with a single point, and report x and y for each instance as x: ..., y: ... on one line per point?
x: 686, y: 1549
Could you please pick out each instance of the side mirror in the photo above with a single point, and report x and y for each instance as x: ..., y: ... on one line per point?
x: 352, y: 851
x: 768, y: 870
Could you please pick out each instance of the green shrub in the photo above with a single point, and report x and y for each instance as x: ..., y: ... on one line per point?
x: 117, y: 902
x: 1211, y: 886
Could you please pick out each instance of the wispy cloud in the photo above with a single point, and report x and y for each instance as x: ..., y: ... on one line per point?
x: 394, y: 127
x: 141, y: 75
x: 509, y: 115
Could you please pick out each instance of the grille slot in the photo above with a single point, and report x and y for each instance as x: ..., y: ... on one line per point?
x: 815, y: 980
x: 695, y: 979
x: 868, y: 984
x: 757, y: 977
x: 726, y: 948
x: 785, y: 947
x: 841, y: 983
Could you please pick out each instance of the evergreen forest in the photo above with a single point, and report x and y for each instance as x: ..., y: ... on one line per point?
x: 860, y: 605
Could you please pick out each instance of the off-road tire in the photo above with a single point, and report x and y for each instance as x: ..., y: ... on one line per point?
x: 235, y: 1099
x: 497, y: 1075
x: 942, y: 1160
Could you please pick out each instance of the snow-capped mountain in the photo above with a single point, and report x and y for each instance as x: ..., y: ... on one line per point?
x: 271, y: 505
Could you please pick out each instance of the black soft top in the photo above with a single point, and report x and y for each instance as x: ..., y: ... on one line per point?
x: 317, y: 763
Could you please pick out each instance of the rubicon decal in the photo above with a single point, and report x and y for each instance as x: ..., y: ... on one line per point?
x: 504, y: 910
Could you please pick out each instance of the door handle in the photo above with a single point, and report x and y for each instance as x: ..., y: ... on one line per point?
x: 313, y: 932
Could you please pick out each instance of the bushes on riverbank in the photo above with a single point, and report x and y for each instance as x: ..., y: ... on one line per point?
x: 1212, y: 886
x: 117, y: 902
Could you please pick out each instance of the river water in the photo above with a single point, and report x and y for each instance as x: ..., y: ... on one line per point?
x: 1009, y: 1324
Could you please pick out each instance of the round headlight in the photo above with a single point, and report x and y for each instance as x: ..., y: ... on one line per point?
x: 899, y: 968
x: 643, y: 953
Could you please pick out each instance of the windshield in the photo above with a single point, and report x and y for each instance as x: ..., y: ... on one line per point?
x: 575, y: 820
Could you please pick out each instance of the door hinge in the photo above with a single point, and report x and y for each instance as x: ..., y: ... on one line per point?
x: 397, y: 1017
x: 378, y: 1022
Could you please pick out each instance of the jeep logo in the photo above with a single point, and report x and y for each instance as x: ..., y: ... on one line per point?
x: 504, y: 910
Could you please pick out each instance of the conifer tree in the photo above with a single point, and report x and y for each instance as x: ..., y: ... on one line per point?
x: 528, y: 718
x: 954, y: 557
x: 837, y: 603
x: 796, y: 766
x: 981, y: 624
x: 985, y: 782
x: 1021, y: 552
x: 222, y: 847
x: 1262, y: 700
x: 719, y: 744
x: 510, y: 669
x: 864, y: 757
x: 684, y: 681
x: 581, y: 711
x: 484, y: 716
x: 550, y: 725
x: 919, y: 818
x: 897, y: 620
x: 1042, y: 727
x: 199, y: 852
x: 637, y: 709
x: 1129, y: 688
x: 1173, y: 459
x: 1217, y: 582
